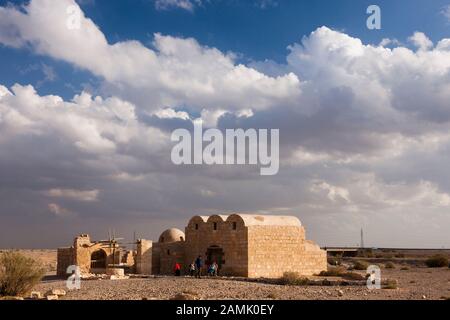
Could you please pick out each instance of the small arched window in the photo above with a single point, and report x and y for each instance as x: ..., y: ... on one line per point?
x: 234, y: 225
x: 168, y: 252
x: 196, y: 226
x: 215, y: 225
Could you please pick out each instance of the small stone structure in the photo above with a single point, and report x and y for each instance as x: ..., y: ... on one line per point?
x: 250, y: 246
x: 89, y: 256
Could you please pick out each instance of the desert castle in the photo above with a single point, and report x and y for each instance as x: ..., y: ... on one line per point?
x: 242, y: 245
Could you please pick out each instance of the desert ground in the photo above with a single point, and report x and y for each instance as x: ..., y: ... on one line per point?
x: 413, y: 281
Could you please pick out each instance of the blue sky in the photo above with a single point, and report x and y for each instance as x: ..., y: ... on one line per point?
x: 246, y: 28
x: 364, y: 124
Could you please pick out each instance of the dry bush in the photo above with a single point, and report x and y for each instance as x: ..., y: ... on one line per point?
x: 333, y: 272
x: 389, y: 265
x: 360, y: 265
x: 18, y: 274
x: 353, y: 276
x: 335, y: 261
x: 341, y: 272
x: 293, y: 279
x: 404, y: 268
x: 437, y: 261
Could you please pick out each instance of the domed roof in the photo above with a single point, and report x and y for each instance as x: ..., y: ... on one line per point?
x: 171, y: 235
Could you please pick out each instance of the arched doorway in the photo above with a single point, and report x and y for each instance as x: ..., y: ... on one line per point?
x: 98, y: 259
x: 215, y: 254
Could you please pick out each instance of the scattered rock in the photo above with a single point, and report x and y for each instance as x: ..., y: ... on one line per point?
x: 52, y: 297
x: 118, y: 277
x: 184, y: 296
x: 36, y: 295
x: 115, y: 272
x: 340, y: 293
x: 424, y: 297
x: 11, y: 298
x: 56, y: 292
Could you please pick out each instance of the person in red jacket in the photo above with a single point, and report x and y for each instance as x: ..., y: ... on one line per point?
x: 177, y: 269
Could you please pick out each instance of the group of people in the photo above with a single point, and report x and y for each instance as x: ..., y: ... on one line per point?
x: 196, y: 267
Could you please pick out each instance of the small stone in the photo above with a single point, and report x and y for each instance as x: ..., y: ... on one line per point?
x: 340, y: 293
x: 52, y: 297
x: 424, y: 297
x: 184, y: 296
x: 56, y: 292
x: 115, y: 272
x: 36, y: 295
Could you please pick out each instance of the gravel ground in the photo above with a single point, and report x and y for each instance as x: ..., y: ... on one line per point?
x: 416, y: 283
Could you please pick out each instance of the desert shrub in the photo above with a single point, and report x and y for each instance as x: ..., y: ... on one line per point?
x: 341, y: 272
x: 333, y: 272
x: 389, y: 265
x: 437, y: 261
x: 353, y: 276
x: 326, y: 283
x: 404, y: 268
x: 293, y: 279
x: 365, y: 253
x: 334, y: 261
x: 390, y: 284
x: 368, y: 253
x: 18, y: 274
x: 360, y: 265
x: 400, y: 255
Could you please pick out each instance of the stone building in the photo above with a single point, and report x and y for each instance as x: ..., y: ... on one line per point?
x: 242, y: 245
x: 89, y: 256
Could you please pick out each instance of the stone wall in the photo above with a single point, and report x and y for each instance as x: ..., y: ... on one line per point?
x: 82, y: 253
x: 64, y: 260
x: 169, y: 255
x: 82, y: 250
x: 274, y: 250
x: 144, y: 257
x: 230, y: 236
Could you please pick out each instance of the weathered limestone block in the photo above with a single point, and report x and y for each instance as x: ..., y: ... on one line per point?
x: 56, y: 292
x: 115, y: 272
x: 144, y: 257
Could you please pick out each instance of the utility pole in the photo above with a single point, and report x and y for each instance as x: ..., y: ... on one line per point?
x: 362, y: 238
